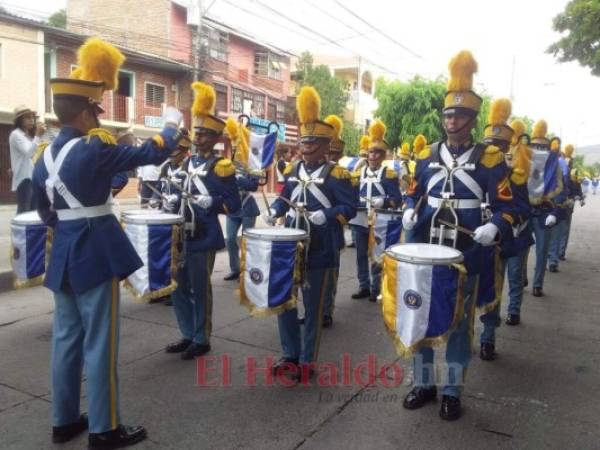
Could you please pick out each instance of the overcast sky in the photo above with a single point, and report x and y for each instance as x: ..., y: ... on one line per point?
x: 566, y: 95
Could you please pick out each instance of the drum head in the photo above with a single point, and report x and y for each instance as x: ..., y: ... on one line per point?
x: 276, y: 234
x: 391, y: 213
x: 153, y: 219
x: 27, y: 218
x: 136, y: 212
x: 431, y: 254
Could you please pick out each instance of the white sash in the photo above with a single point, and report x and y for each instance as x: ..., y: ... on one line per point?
x: 462, y: 175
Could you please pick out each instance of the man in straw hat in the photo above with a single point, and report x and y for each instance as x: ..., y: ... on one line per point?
x: 90, y: 251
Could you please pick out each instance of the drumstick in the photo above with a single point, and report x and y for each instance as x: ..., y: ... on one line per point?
x: 457, y: 227
x: 417, y: 206
x: 264, y: 196
x: 156, y: 191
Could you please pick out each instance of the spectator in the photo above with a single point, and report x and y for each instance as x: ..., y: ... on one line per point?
x: 23, y: 142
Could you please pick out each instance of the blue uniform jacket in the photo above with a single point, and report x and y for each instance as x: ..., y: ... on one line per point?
x: 88, y: 252
x: 222, y: 187
x: 325, y: 240
x: 247, y: 184
x: 491, y: 175
x: 391, y: 189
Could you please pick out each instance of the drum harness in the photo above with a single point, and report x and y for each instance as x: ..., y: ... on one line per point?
x: 449, y: 167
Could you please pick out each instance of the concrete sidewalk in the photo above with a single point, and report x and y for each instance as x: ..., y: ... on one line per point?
x: 542, y: 392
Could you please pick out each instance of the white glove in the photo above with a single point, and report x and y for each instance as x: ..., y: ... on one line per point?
x: 154, y: 203
x: 550, y: 220
x: 269, y: 217
x: 486, y: 234
x: 172, y: 116
x: 377, y: 203
x: 171, y: 199
x: 408, y: 221
x: 317, y: 217
x: 203, y: 201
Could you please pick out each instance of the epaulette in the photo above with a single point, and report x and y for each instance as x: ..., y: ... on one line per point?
x: 288, y: 169
x: 340, y: 173
x: 39, y: 151
x: 391, y: 174
x: 355, y: 177
x: 102, y: 134
x: 492, y: 156
x: 224, y: 168
x: 519, y: 176
x: 424, y: 154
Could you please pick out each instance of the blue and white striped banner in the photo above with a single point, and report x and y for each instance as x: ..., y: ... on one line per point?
x: 262, y: 150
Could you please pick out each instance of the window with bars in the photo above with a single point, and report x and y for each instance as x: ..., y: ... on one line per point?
x: 268, y: 64
x: 155, y: 95
x: 217, y: 44
x: 236, y: 100
x: 258, y: 105
x: 221, y: 103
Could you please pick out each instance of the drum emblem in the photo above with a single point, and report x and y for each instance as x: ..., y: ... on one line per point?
x: 16, y: 253
x: 255, y: 151
x: 412, y: 299
x: 256, y: 276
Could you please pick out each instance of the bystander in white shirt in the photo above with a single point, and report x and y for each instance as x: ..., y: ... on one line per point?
x: 22, y: 149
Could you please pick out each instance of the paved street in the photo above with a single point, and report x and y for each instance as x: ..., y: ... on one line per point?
x: 542, y: 392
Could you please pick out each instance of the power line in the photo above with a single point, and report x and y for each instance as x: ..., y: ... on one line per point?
x: 349, y: 11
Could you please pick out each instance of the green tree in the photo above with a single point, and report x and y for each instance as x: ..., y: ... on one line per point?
x: 351, y: 137
x: 580, y: 25
x: 58, y: 19
x: 415, y: 107
x: 333, y: 92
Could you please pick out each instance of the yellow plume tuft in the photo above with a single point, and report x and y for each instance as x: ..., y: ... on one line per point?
x: 377, y: 131
x: 519, y: 130
x: 99, y: 61
x: 500, y: 110
x: 336, y: 123
x: 405, y: 150
x: 231, y: 127
x: 243, y: 145
x: 419, y: 143
x: 568, y: 150
x: 364, y: 142
x: 462, y: 67
x: 204, y: 100
x: 540, y: 129
x: 554, y: 145
x: 308, y: 104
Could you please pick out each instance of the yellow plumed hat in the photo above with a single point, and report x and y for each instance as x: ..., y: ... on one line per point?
x: 497, y: 128
x: 538, y: 135
x: 460, y: 96
x: 404, y: 151
x: 203, y: 109
x: 377, y: 132
x: 518, y: 128
x: 568, y: 150
x: 338, y: 126
x: 98, y: 64
x: 308, y: 105
x: 521, y: 153
x: 419, y: 144
x: 363, y: 146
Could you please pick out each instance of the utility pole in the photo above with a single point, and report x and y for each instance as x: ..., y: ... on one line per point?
x: 198, y: 52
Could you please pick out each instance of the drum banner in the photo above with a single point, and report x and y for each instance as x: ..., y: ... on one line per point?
x: 491, y: 280
x: 384, y: 233
x: 545, y: 180
x: 156, y: 246
x: 421, y: 304
x: 269, y: 276
x: 28, y: 250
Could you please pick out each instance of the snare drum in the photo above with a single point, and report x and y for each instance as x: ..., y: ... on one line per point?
x: 142, y: 211
x: 155, y: 238
x: 29, y: 239
x: 421, y: 294
x: 271, y: 268
x: 384, y: 233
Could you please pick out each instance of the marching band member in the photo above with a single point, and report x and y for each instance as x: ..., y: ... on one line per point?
x: 285, y: 154
x: 90, y: 251
x: 330, y: 201
x: 483, y: 172
x: 210, y: 189
x: 513, y: 251
x: 545, y: 193
x: 121, y: 179
x: 247, y: 183
x: 575, y: 194
x: 378, y: 188
x: 404, y: 172
x: 363, y: 151
x: 172, y: 176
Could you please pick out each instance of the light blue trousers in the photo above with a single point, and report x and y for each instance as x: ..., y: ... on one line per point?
x: 192, y: 300
x: 232, y: 226
x: 542, y: 243
x: 86, y: 331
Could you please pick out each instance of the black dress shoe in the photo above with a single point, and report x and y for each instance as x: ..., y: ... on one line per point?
x: 232, y: 276
x: 64, y: 433
x: 526, y: 282
x: 562, y: 258
x: 285, y: 365
x: 553, y: 268
x: 351, y: 245
x: 362, y: 293
x: 450, y: 409
x: 327, y: 321
x: 178, y: 347
x: 419, y: 396
x: 513, y: 319
x: 195, y: 350
x: 537, y: 292
x: 301, y: 320
x: 487, y: 351
x: 373, y: 298
x: 122, y: 436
